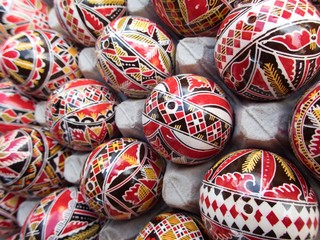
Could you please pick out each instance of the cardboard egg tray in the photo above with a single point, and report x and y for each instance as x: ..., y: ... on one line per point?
x: 262, y: 125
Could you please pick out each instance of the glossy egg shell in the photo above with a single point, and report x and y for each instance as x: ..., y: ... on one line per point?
x: 256, y: 194
x: 267, y: 50
x: 39, y: 61
x: 84, y: 20
x: 304, y: 129
x: 193, y: 18
x: 16, y: 109
x: 32, y: 162
x: 81, y: 114
x: 122, y: 179
x: 173, y: 225
x: 9, y: 205
x: 187, y: 119
x: 62, y: 214
x: 18, y: 15
x: 134, y: 54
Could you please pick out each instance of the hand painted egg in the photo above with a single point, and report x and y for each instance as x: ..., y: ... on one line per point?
x: 31, y: 162
x: 84, y: 20
x: 193, y: 18
x: 16, y: 109
x: 9, y: 205
x: 187, y: 119
x: 304, y: 130
x: 62, y: 215
x: 134, y: 55
x: 173, y: 225
x: 18, y: 15
x: 122, y: 179
x: 256, y: 194
x: 81, y: 114
x: 39, y: 61
x: 267, y: 50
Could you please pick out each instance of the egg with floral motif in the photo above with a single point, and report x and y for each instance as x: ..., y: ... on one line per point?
x: 39, y: 61
x: 256, y: 194
x: 268, y: 49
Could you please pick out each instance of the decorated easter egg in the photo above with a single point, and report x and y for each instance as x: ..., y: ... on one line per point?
x: 134, y: 54
x: 81, y: 114
x: 193, y: 18
x: 267, y: 50
x: 122, y: 179
x: 187, y: 119
x: 256, y: 194
x: 173, y: 225
x: 9, y: 205
x: 62, y: 214
x: 39, y: 61
x: 31, y: 162
x: 16, y: 109
x: 18, y: 15
x: 84, y: 20
x: 304, y: 130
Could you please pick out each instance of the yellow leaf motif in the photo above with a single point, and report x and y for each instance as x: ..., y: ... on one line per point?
x: 285, y: 167
x: 16, y: 77
x: 23, y: 46
x: 23, y: 64
x: 132, y: 160
x: 274, y: 79
x: 251, y: 161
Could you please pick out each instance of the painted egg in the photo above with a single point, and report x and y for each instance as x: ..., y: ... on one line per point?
x: 193, y: 18
x: 81, y: 114
x: 31, y: 162
x: 62, y: 214
x: 304, y: 130
x: 173, y: 225
x: 16, y: 109
x: 9, y: 205
x: 39, y: 61
x: 134, y: 55
x: 267, y: 50
x: 122, y: 179
x: 187, y: 119
x: 18, y: 15
x: 84, y: 20
x: 256, y: 194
